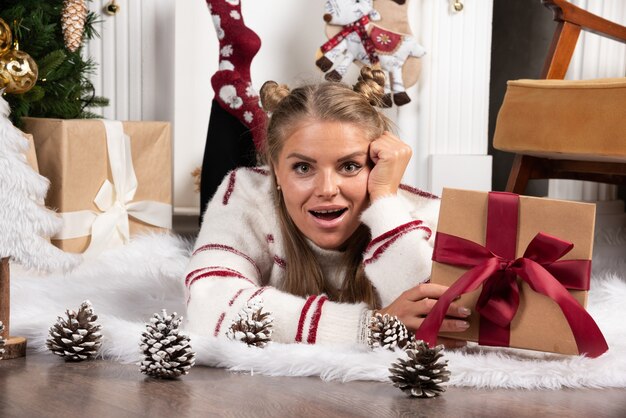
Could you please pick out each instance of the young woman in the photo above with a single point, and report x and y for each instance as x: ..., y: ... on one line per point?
x: 325, y: 233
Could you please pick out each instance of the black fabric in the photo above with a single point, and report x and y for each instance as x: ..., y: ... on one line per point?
x: 228, y: 145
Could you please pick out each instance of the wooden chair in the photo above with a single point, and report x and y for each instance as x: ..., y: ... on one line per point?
x: 532, y: 164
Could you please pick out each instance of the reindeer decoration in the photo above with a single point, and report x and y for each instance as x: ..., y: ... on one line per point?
x: 360, y: 40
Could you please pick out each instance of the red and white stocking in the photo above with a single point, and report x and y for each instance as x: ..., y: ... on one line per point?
x: 232, y: 84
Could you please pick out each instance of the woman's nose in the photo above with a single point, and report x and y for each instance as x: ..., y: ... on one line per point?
x: 328, y: 185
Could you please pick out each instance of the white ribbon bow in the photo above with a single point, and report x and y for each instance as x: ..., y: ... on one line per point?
x: 110, y: 227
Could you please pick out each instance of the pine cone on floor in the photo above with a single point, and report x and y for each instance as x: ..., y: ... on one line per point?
x: 78, y: 337
x: 73, y: 17
x: 1, y: 340
x: 421, y: 375
x: 387, y: 331
x: 252, y: 325
x: 167, y: 353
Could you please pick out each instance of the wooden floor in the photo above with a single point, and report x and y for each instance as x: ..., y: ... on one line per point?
x: 42, y: 385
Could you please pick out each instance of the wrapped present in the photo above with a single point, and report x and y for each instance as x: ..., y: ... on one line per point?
x: 31, y: 156
x: 522, y: 265
x: 109, y: 180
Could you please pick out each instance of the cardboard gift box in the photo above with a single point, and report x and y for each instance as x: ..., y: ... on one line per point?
x: 522, y: 265
x: 108, y: 179
x: 31, y: 156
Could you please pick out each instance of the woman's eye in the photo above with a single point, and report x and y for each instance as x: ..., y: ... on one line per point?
x: 301, y: 168
x: 351, y: 168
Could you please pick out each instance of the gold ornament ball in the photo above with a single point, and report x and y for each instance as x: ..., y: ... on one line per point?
x: 5, y: 37
x: 18, y: 72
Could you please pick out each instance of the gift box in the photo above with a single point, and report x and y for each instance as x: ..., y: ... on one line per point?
x: 522, y: 265
x: 109, y: 180
x: 31, y: 156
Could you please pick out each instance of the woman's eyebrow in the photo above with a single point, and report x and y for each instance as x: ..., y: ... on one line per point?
x: 353, y: 155
x: 301, y: 157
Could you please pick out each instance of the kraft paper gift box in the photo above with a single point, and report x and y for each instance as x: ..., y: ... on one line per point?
x: 31, y: 156
x: 108, y: 178
x: 511, y: 258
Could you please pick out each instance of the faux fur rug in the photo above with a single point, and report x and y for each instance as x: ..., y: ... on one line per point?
x: 127, y: 285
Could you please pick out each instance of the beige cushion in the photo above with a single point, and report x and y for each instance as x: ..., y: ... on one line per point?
x: 564, y: 119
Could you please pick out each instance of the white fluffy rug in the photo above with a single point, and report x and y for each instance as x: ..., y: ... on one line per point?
x: 127, y: 285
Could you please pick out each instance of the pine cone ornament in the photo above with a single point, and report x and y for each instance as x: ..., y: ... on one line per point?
x: 1, y: 340
x: 167, y: 353
x: 421, y: 375
x: 252, y: 326
x: 78, y: 337
x: 387, y: 331
x: 73, y: 17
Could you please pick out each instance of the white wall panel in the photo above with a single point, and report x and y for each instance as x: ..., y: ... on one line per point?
x: 157, y: 56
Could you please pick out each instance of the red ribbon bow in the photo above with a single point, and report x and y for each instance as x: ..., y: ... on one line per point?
x: 494, y: 266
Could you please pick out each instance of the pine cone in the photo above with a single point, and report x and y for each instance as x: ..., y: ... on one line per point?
x: 167, y: 353
x: 73, y: 17
x: 1, y: 340
x: 421, y: 375
x: 78, y: 337
x: 252, y: 326
x: 387, y: 331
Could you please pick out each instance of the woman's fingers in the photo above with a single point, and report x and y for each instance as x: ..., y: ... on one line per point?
x: 425, y: 297
x: 390, y: 156
x: 454, y: 325
x: 448, y: 325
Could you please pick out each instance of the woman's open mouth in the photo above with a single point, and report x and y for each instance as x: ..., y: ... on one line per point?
x: 328, y: 215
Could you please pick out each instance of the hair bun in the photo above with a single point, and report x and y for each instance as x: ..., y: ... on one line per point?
x: 371, y: 85
x: 272, y: 94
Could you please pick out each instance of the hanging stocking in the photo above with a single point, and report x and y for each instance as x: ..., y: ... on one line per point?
x: 237, y: 122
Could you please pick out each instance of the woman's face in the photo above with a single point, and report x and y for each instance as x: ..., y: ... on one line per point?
x: 322, y: 171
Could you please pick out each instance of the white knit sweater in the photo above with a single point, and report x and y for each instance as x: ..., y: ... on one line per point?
x: 239, y: 255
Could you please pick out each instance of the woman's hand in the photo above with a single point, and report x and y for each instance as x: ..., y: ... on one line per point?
x: 390, y: 156
x: 414, y: 304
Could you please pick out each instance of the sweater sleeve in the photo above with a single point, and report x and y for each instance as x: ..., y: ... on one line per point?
x: 399, y: 254
x: 232, y: 262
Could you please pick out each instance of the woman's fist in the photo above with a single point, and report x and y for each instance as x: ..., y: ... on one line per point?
x: 390, y: 156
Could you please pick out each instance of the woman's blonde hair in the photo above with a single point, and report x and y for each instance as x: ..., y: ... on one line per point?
x: 326, y: 102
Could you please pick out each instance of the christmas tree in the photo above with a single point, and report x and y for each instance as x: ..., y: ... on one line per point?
x: 24, y: 221
x: 63, y: 89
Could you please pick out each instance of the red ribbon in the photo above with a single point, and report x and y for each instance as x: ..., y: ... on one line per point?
x: 359, y: 27
x: 495, y: 268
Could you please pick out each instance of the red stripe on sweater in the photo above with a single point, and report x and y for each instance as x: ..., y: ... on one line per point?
x: 258, y: 170
x: 231, y: 187
x: 315, y: 320
x: 281, y: 263
x: 429, y: 232
x: 191, y: 275
x: 234, y: 298
x: 418, y: 191
x: 394, y: 231
x: 380, y: 250
x: 219, y: 273
x: 219, y: 324
x: 222, y: 247
x: 305, y: 310
x: 258, y: 292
